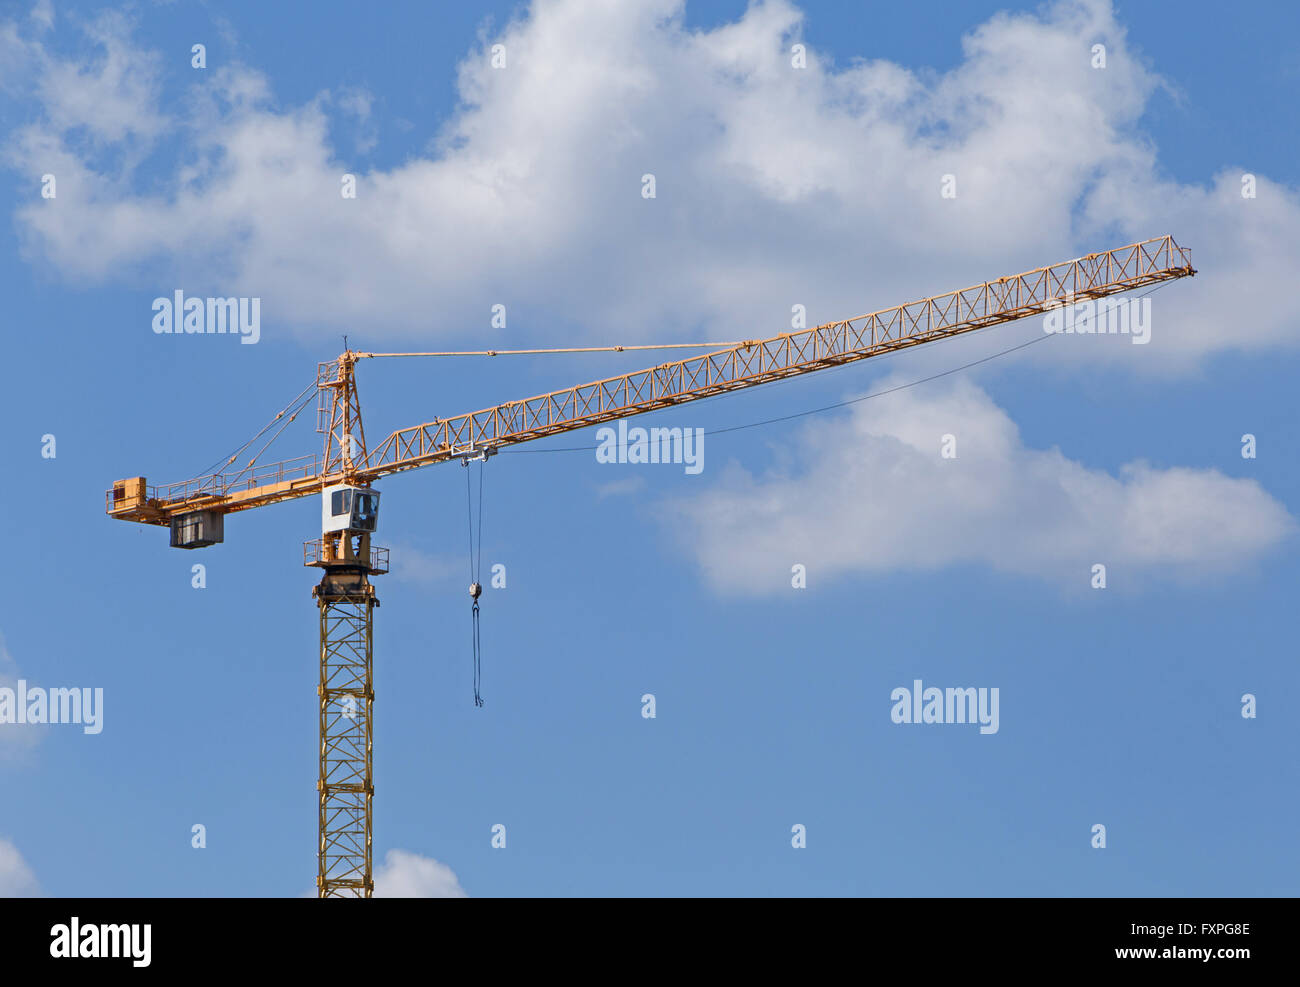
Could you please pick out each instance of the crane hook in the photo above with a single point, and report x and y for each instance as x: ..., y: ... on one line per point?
x: 475, y: 557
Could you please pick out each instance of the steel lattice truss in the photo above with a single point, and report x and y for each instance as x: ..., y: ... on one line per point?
x: 346, y: 783
x: 782, y: 356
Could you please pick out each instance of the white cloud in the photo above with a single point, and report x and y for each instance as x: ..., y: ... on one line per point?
x: 404, y: 874
x: 43, y: 14
x: 871, y: 493
x: 620, y: 488
x: 412, y: 565
x: 775, y: 185
x: 104, y: 101
x: 16, y: 878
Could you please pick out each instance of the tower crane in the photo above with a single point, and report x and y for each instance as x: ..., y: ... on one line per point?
x: 345, y: 473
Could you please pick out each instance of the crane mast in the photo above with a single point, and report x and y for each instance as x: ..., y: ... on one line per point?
x: 346, y: 601
x: 345, y: 785
x: 343, y: 475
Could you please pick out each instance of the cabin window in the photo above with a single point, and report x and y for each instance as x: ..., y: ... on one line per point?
x: 366, y: 511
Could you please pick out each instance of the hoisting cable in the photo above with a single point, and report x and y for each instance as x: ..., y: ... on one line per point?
x: 287, y: 422
x: 572, y: 349
x: 297, y: 401
x: 475, y: 558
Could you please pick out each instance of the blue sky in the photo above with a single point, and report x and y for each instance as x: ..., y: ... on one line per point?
x: 522, y: 186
